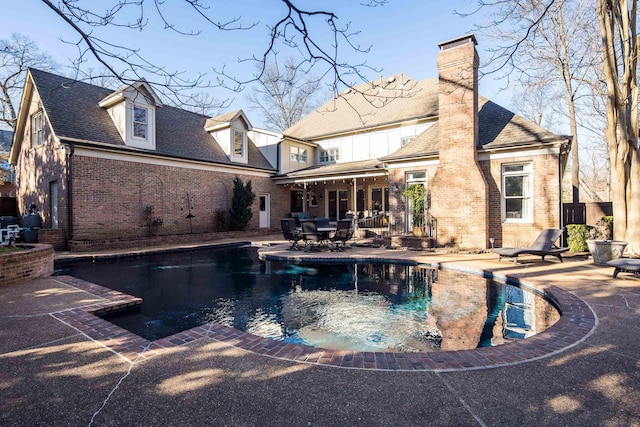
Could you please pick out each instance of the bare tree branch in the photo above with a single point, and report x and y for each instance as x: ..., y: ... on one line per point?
x: 17, y: 54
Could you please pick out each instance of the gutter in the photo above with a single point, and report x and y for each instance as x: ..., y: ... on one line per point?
x: 106, y: 147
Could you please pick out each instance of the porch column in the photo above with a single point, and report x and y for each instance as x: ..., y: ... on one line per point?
x: 354, y: 202
x: 304, y: 198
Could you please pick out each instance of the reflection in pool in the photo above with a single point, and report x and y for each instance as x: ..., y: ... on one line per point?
x: 362, y: 307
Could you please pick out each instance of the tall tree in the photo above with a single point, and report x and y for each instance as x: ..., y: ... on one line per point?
x: 618, y: 30
x: 284, y: 94
x: 548, y: 44
x: 17, y: 54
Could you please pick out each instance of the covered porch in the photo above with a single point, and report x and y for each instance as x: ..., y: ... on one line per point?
x: 352, y: 190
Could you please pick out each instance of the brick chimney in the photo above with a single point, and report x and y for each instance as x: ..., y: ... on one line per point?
x: 459, y: 195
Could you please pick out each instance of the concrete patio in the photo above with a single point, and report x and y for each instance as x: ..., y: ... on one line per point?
x: 52, y: 374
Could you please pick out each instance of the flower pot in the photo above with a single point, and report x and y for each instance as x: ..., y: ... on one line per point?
x: 418, y: 231
x: 605, y: 250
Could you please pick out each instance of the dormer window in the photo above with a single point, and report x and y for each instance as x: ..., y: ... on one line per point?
x: 133, y: 111
x: 299, y: 154
x: 230, y: 132
x: 239, y: 143
x: 329, y: 155
x: 140, y: 122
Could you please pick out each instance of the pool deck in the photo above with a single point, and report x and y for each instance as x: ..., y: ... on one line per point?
x: 59, y: 366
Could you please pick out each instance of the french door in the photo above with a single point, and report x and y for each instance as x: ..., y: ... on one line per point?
x: 337, y: 204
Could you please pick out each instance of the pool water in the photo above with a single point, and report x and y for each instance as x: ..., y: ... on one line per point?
x: 361, y: 307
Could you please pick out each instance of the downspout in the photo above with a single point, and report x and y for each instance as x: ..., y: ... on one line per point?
x: 564, y: 152
x: 70, y: 190
x: 278, y: 150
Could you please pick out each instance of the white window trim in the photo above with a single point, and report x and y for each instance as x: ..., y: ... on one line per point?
x: 330, y: 155
x: 382, y: 188
x: 243, y: 153
x: 298, y: 154
x: 528, y: 193
x: 37, y: 132
x: 147, y: 124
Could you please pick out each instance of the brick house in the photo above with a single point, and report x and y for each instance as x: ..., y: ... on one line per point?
x: 490, y: 173
x: 104, y: 165
x: 94, y: 160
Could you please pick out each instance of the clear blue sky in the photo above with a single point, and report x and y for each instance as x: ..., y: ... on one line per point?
x: 403, y: 35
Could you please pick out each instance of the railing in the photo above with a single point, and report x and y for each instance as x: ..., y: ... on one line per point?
x: 428, y: 223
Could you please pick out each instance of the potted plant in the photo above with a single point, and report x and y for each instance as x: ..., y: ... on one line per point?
x: 416, y: 195
x: 601, y: 246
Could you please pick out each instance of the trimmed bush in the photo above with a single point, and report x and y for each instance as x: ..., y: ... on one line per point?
x: 240, y: 213
x: 578, y: 234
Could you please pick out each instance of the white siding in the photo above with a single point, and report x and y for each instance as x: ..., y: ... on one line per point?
x: 374, y: 144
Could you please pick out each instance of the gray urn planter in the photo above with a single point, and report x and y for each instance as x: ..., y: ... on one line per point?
x: 605, y: 250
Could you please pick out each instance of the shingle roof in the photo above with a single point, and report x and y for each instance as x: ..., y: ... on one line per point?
x: 497, y: 128
x: 6, y: 136
x: 360, y: 166
x: 73, y: 110
x: 365, y: 106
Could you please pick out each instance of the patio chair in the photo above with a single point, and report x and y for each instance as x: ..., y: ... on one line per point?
x: 290, y: 233
x: 323, y: 222
x: 310, y: 234
x: 344, y: 232
x: 543, y: 245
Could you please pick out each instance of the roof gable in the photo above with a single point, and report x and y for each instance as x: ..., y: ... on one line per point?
x: 132, y: 91
x: 497, y: 128
x: 75, y: 115
x: 227, y: 120
x: 382, y: 102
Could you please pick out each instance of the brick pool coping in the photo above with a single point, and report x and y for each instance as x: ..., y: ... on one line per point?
x: 575, y: 324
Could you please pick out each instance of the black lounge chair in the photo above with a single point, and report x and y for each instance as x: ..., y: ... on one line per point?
x: 344, y: 232
x: 625, y: 265
x: 290, y: 233
x: 543, y: 245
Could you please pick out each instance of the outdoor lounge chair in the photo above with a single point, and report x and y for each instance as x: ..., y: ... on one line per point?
x: 290, y: 233
x: 626, y: 265
x: 543, y: 245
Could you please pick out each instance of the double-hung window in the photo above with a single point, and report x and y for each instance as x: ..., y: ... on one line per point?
x: 37, y: 129
x: 517, y: 203
x: 239, y: 143
x: 329, y: 155
x: 140, y: 122
x: 299, y: 154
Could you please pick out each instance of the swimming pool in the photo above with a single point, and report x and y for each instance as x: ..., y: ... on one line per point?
x: 350, y: 306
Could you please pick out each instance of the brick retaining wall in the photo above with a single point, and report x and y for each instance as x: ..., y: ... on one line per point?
x: 55, y: 238
x: 20, y: 266
x: 92, y: 245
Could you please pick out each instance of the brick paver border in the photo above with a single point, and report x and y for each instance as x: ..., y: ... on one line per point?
x: 575, y: 324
